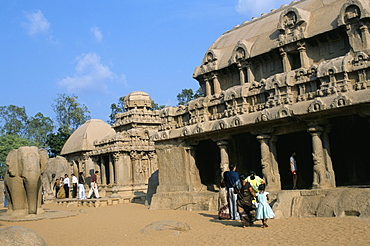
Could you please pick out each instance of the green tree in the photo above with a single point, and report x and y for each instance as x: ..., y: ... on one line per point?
x: 70, y: 114
x: 7, y: 143
x: 187, y: 95
x: 115, y: 109
x: 38, y: 127
x: 155, y: 106
x: 56, y: 141
x: 13, y: 120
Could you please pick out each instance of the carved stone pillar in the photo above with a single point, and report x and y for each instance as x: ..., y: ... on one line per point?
x: 320, y: 180
x: 266, y: 162
x: 365, y: 37
x: 216, y: 84
x: 274, y: 164
x: 193, y: 172
x: 224, y: 165
x: 241, y: 74
x: 208, y: 87
x: 103, y: 172
x: 111, y: 170
x: 303, y: 55
x: 127, y: 178
x: 250, y: 74
x: 117, y: 160
x: 285, y: 59
x: 327, y: 156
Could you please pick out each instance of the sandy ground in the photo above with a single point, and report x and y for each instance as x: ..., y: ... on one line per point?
x: 122, y: 225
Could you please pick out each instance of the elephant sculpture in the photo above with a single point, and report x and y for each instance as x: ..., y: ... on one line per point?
x: 22, y: 180
x: 55, y: 168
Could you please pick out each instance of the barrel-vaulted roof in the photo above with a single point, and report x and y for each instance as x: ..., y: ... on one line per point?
x: 83, y: 138
x: 261, y: 35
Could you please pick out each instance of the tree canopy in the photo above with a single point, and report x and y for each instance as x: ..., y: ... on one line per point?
x: 186, y: 95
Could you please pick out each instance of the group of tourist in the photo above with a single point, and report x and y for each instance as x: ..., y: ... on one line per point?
x: 62, y: 186
x: 247, y: 198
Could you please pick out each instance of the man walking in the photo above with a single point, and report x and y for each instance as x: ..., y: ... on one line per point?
x: 293, y: 168
x: 94, y: 186
x: 230, y: 179
x: 81, y: 186
x: 74, y: 185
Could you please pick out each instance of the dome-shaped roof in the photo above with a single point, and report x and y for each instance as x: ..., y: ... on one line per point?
x: 138, y: 99
x: 83, y: 138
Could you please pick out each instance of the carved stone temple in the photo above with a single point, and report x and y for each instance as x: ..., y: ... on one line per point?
x: 294, y: 80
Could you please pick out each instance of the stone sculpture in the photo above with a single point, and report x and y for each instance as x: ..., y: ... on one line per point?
x: 23, y: 180
x: 55, y: 168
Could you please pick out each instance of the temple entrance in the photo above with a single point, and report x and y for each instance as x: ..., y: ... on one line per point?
x: 349, y: 143
x: 208, y: 162
x: 301, y: 143
x: 245, y: 152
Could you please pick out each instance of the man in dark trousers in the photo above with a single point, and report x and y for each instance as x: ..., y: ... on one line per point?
x: 66, y: 185
x: 74, y: 185
x: 230, y: 179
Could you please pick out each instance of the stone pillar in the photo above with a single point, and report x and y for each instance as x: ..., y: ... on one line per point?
x: 267, y: 172
x: 153, y: 162
x: 285, y: 59
x: 365, y: 37
x: 193, y: 172
x: 208, y: 87
x: 250, y: 74
x: 111, y: 170
x: 241, y: 74
x: 103, y: 172
x: 327, y: 156
x: 275, y: 164
x: 320, y: 180
x: 224, y: 165
x: 303, y: 55
x: 216, y: 84
x: 117, y: 160
x: 127, y: 178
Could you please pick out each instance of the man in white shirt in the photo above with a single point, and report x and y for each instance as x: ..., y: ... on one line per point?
x: 74, y: 185
x: 293, y: 168
x: 66, y: 185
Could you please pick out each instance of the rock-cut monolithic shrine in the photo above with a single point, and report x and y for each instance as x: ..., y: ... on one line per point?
x: 296, y: 79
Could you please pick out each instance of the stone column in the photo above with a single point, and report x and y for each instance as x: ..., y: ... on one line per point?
x: 127, y: 178
x: 266, y: 162
x: 103, y: 172
x: 224, y: 165
x: 365, y: 37
x: 285, y: 59
x: 327, y: 156
x: 320, y: 180
x: 117, y: 160
x: 241, y: 74
x: 275, y: 164
x: 250, y: 74
x: 111, y: 170
x: 208, y: 87
x: 216, y: 84
x: 194, y: 176
x: 303, y: 55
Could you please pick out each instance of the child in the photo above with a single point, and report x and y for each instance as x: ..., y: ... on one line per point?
x: 264, y: 210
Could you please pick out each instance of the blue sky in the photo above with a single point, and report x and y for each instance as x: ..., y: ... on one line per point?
x: 102, y: 50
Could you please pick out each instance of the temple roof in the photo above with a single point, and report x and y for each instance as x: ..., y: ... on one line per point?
x: 82, y: 139
x: 261, y: 35
x: 138, y: 99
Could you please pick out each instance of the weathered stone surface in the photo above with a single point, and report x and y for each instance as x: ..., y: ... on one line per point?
x: 56, y: 167
x: 166, y: 225
x: 20, y: 236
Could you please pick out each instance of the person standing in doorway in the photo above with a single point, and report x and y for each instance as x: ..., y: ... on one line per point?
x: 293, y: 169
x: 94, y: 186
x: 81, y: 186
x: 74, y: 185
x: 230, y: 178
x: 66, y: 185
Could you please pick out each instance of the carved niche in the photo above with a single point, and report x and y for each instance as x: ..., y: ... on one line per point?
x: 292, y: 25
x: 316, y: 105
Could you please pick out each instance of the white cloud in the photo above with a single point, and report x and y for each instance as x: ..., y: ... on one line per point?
x: 36, y: 23
x: 91, y: 75
x: 97, y: 33
x: 257, y: 7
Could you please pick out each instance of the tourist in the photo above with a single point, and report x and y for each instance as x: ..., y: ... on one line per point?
x: 61, y: 192
x: 66, y: 185
x: 293, y: 169
x: 5, y: 200
x: 230, y: 178
x: 81, y: 186
x: 94, y: 186
x: 264, y: 211
x: 245, y: 195
x: 56, y: 187
x: 74, y: 185
x: 254, y: 180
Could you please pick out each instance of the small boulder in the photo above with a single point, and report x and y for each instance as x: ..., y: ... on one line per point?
x: 20, y: 236
x: 166, y: 225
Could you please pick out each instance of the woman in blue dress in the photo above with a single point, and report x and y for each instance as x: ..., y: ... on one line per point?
x: 264, y: 210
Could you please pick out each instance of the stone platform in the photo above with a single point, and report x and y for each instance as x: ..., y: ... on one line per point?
x: 101, y: 202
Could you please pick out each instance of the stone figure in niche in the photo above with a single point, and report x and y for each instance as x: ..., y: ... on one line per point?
x: 240, y: 54
x: 290, y: 19
x: 23, y: 180
x: 352, y: 12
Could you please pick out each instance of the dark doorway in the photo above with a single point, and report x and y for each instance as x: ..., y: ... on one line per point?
x: 349, y: 143
x: 208, y: 162
x: 300, y: 143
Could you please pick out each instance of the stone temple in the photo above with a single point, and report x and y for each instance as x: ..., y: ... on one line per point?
x: 295, y: 79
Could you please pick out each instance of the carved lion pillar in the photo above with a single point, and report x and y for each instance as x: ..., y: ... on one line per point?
x: 216, y: 84
x: 103, y: 172
x: 224, y: 165
x: 320, y: 179
x: 266, y: 163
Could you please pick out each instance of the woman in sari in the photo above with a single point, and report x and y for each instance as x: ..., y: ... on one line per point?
x: 245, y: 195
x: 61, y: 192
